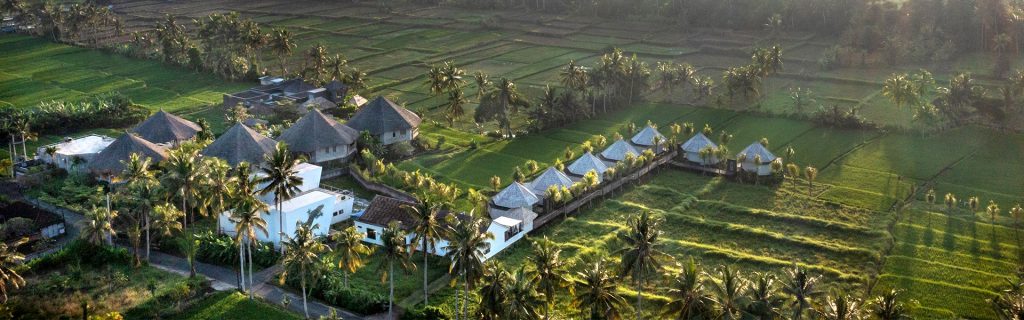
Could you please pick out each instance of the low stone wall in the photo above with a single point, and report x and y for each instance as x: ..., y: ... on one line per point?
x: 382, y: 188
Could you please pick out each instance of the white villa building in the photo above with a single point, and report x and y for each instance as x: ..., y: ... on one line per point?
x: 73, y: 154
x: 691, y: 150
x: 385, y: 120
x: 320, y: 138
x: 752, y: 152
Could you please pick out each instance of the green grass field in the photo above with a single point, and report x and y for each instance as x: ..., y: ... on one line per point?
x: 233, y: 305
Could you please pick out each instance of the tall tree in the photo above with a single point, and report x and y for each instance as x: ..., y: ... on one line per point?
x: 142, y: 191
x: 281, y: 178
x: 888, y: 306
x: 728, y: 287
x: 183, y: 174
x: 596, y: 292
x: 841, y: 306
x: 393, y: 251
x: 550, y: 270
x: 687, y: 296
x: 764, y: 303
x: 427, y: 230
x: 248, y: 221
x: 454, y: 106
x: 10, y: 265
x: 98, y: 226
x: 494, y: 293
x: 303, y: 254
x: 350, y: 250
x: 465, y: 250
x: 500, y: 104
x: 802, y: 287
x: 524, y: 302
x: 282, y: 45
x: 639, y: 257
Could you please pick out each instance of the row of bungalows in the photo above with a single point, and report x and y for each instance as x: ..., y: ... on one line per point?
x: 700, y: 150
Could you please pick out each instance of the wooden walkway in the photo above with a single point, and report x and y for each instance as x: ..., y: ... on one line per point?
x: 693, y: 167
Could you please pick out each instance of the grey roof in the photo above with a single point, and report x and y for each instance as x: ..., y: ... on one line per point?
x: 698, y: 142
x: 646, y: 136
x: 520, y: 213
x: 163, y: 127
x: 757, y: 149
x: 319, y: 103
x: 240, y: 143
x: 550, y: 177
x: 618, y: 150
x: 586, y: 163
x: 316, y: 131
x: 109, y: 160
x: 381, y: 116
x: 514, y: 196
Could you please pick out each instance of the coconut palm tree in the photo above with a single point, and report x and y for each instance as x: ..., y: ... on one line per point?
x: 888, y: 307
x: 899, y: 88
x: 524, y: 301
x: 728, y: 287
x: 596, y: 292
x: 573, y: 77
x: 98, y: 226
x: 950, y: 201
x: 453, y: 108
x: 500, y: 104
x: 687, y: 296
x: 550, y: 270
x: 142, y: 190
x: 10, y: 264
x: 465, y: 250
x: 494, y: 295
x: 427, y: 230
x: 183, y: 174
x: 282, y: 44
x: 189, y: 246
x: 281, y: 179
x: 303, y: 255
x: 483, y: 84
x: 393, y: 251
x: 248, y: 221
x: 349, y: 250
x: 973, y: 203
x: 802, y: 287
x: 993, y: 211
x: 639, y: 257
x: 164, y: 220
x: 218, y: 184
x: 763, y: 303
x: 840, y: 306
x: 810, y: 173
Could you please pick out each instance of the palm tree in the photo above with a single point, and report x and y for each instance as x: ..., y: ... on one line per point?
x: 281, y: 179
x: 573, y: 76
x: 973, y: 203
x: 550, y: 270
x: 899, y: 89
x: 349, y: 249
x: 393, y: 251
x: 303, y: 255
x: 141, y: 190
x: 248, y: 220
x: 336, y: 67
x: 639, y: 258
x: 189, y: 246
x: 356, y: 79
x: 164, y: 220
x: 840, y: 306
x: 282, y: 45
x: 98, y: 226
x: 218, y: 184
x: 888, y: 307
x: 764, y: 303
x: 183, y: 171
x: 427, y: 230
x: 453, y: 109
x: 483, y: 84
x: 596, y: 291
x: 524, y: 302
x: 810, y: 173
x: 465, y: 250
x: 503, y: 101
x: 10, y: 264
x: 728, y: 288
x: 950, y: 201
x: 687, y: 298
x: 802, y: 287
x: 494, y: 295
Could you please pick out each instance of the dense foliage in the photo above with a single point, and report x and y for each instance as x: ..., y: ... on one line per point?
x: 111, y: 110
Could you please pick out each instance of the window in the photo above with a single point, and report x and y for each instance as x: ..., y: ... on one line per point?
x: 394, y: 134
x: 371, y: 234
x: 511, y: 232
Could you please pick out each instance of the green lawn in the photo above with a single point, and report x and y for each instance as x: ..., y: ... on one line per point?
x: 234, y: 305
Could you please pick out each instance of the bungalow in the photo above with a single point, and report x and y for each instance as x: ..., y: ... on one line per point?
x: 618, y: 151
x: 262, y: 99
x: 320, y: 138
x: 71, y: 153
x: 586, y: 163
x: 646, y: 137
x: 335, y: 206
x: 751, y: 153
x: 386, y: 121
x: 110, y: 162
x: 240, y: 144
x: 512, y: 201
x: 167, y: 129
x: 692, y: 148
x: 550, y: 177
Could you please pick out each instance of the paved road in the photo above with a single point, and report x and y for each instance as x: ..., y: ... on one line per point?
x: 222, y: 278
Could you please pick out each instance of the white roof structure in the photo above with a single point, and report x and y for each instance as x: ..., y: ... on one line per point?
x: 618, y: 151
x: 586, y: 163
x: 506, y: 222
x: 698, y: 142
x: 90, y: 144
x: 550, y: 177
x: 516, y: 195
x: 357, y: 100
x: 307, y: 198
x: 756, y: 149
x: 646, y: 136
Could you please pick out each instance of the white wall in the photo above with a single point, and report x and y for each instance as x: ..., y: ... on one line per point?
x: 342, y: 209
x: 695, y: 157
x: 333, y: 153
x: 397, y: 136
x: 291, y: 217
x: 499, y: 242
x: 762, y: 170
x: 364, y: 229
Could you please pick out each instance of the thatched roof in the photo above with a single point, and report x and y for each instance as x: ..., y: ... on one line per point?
x: 618, y: 151
x: 514, y: 196
x: 646, y: 137
x: 698, y: 142
x: 319, y: 103
x: 383, y: 210
x: 381, y: 116
x: 109, y: 160
x: 586, y: 163
x: 520, y: 213
x: 757, y: 149
x: 163, y: 127
x: 550, y: 177
x: 240, y: 143
x: 316, y: 131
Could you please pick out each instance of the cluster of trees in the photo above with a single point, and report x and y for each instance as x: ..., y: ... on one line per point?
x: 84, y: 23
x: 953, y: 104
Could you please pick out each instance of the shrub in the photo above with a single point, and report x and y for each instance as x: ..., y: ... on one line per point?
x: 18, y: 227
x: 357, y: 300
x: 425, y: 313
x: 400, y: 150
x: 221, y: 250
x: 85, y: 253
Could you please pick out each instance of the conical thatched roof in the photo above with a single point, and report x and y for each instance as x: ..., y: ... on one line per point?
x: 550, y: 177
x: 316, y: 131
x: 381, y: 116
x: 240, y: 143
x: 698, y: 142
x: 514, y: 196
x: 109, y: 160
x: 756, y: 149
x: 646, y: 136
x: 520, y: 213
x: 618, y: 150
x: 163, y: 127
x: 586, y: 163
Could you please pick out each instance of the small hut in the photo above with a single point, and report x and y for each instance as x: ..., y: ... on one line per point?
x: 586, y: 163
x: 240, y: 144
x: 645, y: 138
x: 320, y: 137
x: 618, y: 151
x: 691, y: 150
x: 109, y: 162
x: 516, y: 195
x: 550, y: 177
x: 165, y: 128
x: 752, y: 152
x: 387, y: 121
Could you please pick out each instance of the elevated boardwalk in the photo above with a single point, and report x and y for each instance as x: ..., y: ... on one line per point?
x: 686, y: 165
